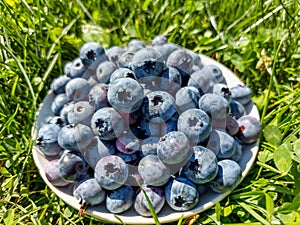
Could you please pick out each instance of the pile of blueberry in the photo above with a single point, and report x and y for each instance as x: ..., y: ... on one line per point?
x: 145, y: 116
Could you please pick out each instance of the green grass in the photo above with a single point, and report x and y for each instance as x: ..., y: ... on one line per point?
x: 258, y: 40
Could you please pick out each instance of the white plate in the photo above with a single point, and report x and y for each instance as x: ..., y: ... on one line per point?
x: 206, y: 201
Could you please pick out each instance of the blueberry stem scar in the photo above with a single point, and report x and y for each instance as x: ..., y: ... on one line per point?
x: 157, y: 100
x: 91, y: 54
x: 111, y: 169
x: 149, y: 66
x: 39, y: 141
x: 99, y: 123
x: 124, y: 95
x: 179, y: 201
x: 193, y: 122
x: 194, y: 165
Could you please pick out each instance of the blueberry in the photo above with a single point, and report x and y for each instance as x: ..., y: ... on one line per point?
x: 147, y: 62
x: 173, y: 147
x: 82, y: 112
x: 72, y: 166
x: 57, y: 120
x: 183, y: 61
x: 136, y: 131
x: 122, y: 73
x: 150, y: 87
x: 111, y: 172
x: 154, y: 127
x: 166, y: 49
x: 202, y: 80
x: 77, y: 89
x: 92, y: 80
x: 228, y: 177
x: 104, y: 71
x: 153, y: 171
x: 196, y: 58
x: 159, y: 40
x: 217, y: 73
x: 151, y: 83
x: 75, y: 136
x: 65, y: 110
x: 156, y: 197
x: 187, y: 98
x: 125, y: 59
x: 170, y: 80
x: 241, y: 93
x: 67, y: 68
x: 176, y: 168
x: 134, y: 179
x: 52, y: 174
x: 159, y: 104
x: 98, y: 96
x: 125, y: 95
x: 107, y: 123
x: 89, y: 193
x: 130, y: 159
x: 96, y: 150
x: 232, y: 126
x: 58, y: 103
x: 249, y: 129
x: 238, y: 152
x: 131, y: 118
x: 181, y: 194
x: 135, y: 48
x: 216, y: 106
x: 149, y: 146
x: 223, y: 90
x: 120, y: 200
x: 114, y: 53
x: 202, y: 167
x: 77, y: 69
x: 170, y: 125
x: 136, y: 42
x: 46, y: 139
x: 58, y: 84
x: 134, y: 45
x: 92, y: 54
x: 195, y: 124
x: 221, y: 143
x: 127, y: 143
x: 195, y: 68
x: 237, y: 110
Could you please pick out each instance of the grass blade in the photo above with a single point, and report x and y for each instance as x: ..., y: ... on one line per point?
x: 253, y: 213
x: 28, y: 82
x: 119, y: 219
x: 64, y: 32
x: 257, y: 23
x: 152, y: 210
x: 47, y: 73
x: 85, y: 10
x: 269, y: 206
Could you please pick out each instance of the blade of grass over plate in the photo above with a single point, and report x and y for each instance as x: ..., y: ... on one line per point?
x: 152, y: 210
